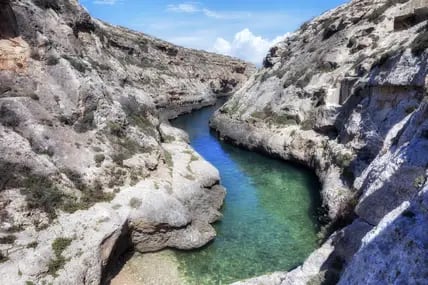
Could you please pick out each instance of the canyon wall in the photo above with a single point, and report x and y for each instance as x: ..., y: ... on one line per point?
x: 88, y: 166
x: 347, y: 96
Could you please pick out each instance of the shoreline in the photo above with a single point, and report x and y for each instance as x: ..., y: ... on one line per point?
x: 160, y: 267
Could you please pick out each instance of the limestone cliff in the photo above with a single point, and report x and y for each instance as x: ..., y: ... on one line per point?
x: 88, y: 168
x: 347, y: 96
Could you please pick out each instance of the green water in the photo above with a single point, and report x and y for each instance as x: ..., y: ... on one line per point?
x: 269, y: 221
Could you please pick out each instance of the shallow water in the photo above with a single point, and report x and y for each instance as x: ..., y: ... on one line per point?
x: 269, y: 221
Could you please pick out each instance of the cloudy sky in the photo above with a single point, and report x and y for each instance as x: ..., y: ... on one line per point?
x: 241, y: 28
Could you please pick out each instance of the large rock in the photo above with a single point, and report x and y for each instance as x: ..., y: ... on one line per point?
x: 397, y: 248
x: 346, y: 96
x: 88, y: 167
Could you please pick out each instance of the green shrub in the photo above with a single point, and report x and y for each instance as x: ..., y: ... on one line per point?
x: 142, y: 121
x: 115, y: 129
x: 130, y: 146
x: 230, y: 107
x: 33, y: 244
x: 118, y: 158
x: 344, y: 160
x: 99, y: 158
x: 49, y: 151
x: 126, y: 148
x: 283, y: 120
x: 168, y: 159
x: 41, y: 194
x: 317, y: 279
x: 15, y: 229
x: 57, y: 263
x: 74, y: 177
x: 9, y: 239
x: 189, y: 177
x: 8, y: 117
x: 86, y: 122
x: 193, y: 157
x: 259, y: 115
x: 60, y: 244
x: 116, y: 177
x: 52, y: 60
x: 78, y: 64
x: 97, y: 149
x: 3, y: 258
x: 168, y: 139
x: 134, y: 179
x: 419, y: 181
x: 307, y: 125
x: 95, y: 195
x: 305, y: 25
x: 91, y: 194
x: 135, y: 203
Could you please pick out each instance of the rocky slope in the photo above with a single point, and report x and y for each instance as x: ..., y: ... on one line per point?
x: 347, y: 96
x: 88, y: 167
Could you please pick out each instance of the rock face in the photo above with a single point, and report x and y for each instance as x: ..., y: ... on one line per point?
x: 88, y: 166
x: 347, y: 96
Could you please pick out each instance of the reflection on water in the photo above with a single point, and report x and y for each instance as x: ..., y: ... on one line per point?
x: 269, y: 219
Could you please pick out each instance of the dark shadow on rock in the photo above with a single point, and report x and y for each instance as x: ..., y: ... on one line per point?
x: 346, y: 243
x: 120, y: 254
x: 366, y: 99
x: 8, y: 24
x: 407, y: 177
x: 398, y: 253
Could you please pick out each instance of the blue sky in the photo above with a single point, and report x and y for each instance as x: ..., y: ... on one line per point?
x: 241, y: 28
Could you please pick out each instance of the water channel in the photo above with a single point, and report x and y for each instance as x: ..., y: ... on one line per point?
x: 269, y: 221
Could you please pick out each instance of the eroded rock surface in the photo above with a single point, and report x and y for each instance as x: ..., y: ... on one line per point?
x: 347, y: 96
x: 88, y: 166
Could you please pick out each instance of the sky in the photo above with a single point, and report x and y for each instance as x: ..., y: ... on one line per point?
x: 241, y: 28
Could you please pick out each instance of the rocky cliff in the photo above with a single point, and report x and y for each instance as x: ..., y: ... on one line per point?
x: 88, y: 167
x: 347, y: 96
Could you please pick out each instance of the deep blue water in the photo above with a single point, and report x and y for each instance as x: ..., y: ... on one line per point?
x: 269, y: 221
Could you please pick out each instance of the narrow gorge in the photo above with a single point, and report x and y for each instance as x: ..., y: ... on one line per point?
x: 270, y: 205
x: 100, y: 159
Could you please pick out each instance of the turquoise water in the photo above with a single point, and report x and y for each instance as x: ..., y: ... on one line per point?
x: 269, y: 221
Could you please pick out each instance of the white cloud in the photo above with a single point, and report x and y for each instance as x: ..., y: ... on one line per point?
x: 189, y: 7
x: 222, y: 46
x: 194, y: 7
x: 225, y: 15
x: 246, y: 45
x: 106, y: 2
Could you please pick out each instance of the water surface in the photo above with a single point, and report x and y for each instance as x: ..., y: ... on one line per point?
x: 269, y: 221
